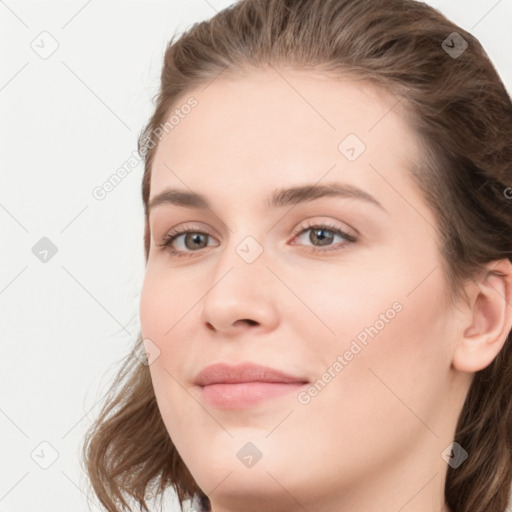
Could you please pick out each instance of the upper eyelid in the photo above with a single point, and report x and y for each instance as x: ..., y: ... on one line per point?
x: 300, y: 227
x: 183, y: 230
x: 189, y: 225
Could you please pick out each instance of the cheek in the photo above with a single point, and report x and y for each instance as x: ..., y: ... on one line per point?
x: 164, y: 300
x: 341, y: 304
x: 151, y: 308
x: 393, y: 336
x: 169, y: 317
x: 399, y: 368
x: 164, y: 315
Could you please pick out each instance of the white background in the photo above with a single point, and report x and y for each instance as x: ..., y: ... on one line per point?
x: 68, y: 122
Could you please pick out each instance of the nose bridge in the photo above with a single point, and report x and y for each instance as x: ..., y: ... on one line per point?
x: 240, y: 288
x: 240, y: 268
x: 243, y: 249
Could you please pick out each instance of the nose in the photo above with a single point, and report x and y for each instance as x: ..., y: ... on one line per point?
x: 242, y: 295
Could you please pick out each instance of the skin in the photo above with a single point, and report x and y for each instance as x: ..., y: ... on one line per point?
x: 371, y: 440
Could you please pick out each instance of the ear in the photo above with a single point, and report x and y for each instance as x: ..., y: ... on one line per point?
x: 488, y: 320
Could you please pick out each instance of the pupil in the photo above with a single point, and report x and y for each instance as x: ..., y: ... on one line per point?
x: 196, y: 237
x: 324, y: 240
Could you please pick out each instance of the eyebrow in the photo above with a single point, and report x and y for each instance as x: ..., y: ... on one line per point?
x: 279, y: 198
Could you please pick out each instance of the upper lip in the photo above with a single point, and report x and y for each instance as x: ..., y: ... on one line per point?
x: 243, y: 372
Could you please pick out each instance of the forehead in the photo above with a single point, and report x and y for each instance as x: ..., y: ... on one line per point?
x: 282, y: 126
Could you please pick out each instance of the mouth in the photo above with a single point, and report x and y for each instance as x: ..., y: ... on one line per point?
x: 245, y: 394
x: 244, y: 385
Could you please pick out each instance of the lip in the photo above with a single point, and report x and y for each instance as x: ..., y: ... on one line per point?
x: 244, y: 385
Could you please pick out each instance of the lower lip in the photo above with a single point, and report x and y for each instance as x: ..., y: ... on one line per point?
x: 246, y: 394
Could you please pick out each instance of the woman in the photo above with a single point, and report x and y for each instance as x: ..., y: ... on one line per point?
x: 327, y: 300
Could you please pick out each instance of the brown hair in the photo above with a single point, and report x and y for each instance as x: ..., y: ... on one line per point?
x: 462, y: 114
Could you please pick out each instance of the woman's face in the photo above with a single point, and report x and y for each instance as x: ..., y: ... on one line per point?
x: 342, y: 291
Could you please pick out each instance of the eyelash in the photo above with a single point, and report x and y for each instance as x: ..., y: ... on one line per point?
x: 173, y: 235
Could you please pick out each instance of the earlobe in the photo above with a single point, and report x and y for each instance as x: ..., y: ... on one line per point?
x: 489, y: 319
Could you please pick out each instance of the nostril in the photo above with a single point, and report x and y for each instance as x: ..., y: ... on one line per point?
x: 251, y: 322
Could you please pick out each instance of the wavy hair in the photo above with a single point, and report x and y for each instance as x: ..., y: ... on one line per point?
x: 461, y: 112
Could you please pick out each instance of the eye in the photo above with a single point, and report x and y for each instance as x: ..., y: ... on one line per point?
x: 191, y: 239
x: 323, y: 235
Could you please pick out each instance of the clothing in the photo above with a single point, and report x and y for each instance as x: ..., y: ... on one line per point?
x: 198, y: 504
